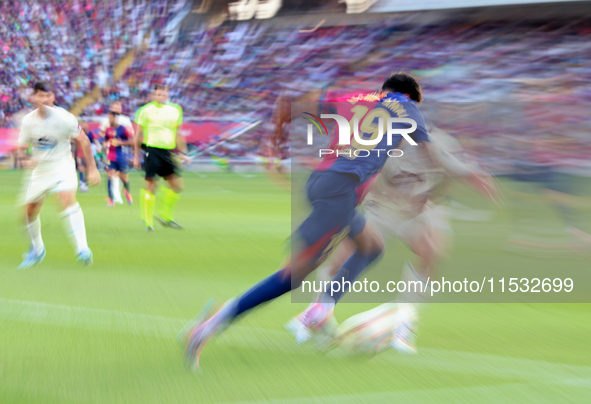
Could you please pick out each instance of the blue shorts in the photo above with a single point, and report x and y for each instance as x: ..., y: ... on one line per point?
x: 334, y: 217
x: 120, y: 166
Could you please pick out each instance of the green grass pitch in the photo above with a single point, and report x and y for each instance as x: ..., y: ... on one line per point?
x: 106, y: 333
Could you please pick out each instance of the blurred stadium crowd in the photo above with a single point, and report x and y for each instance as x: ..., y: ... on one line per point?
x: 243, y: 68
x: 72, y: 43
x: 239, y: 69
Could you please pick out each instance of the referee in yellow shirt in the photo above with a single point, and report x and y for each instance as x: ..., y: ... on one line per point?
x: 158, y: 122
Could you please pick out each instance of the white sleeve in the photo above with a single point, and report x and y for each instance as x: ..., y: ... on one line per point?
x: 72, y: 126
x: 24, y: 137
x: 450, y: 163
x: 443, y: 150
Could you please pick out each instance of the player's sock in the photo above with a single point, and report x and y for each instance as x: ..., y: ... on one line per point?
x: 268, y: 289
x: 147, y: 203
x: 81, y: 176
x: 323, y: 276
x: 115, y: 191
x: 74, y: 223
x: 414, y: 294
x: 34, y: 229
x: 350, y: 270
x: 168, y: 200
x: 126, y: 185
x: 109, y: 189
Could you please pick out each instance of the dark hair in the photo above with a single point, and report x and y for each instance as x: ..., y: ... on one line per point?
x: 404, y: 83
x: 160, y: 87
x: 42, y: 86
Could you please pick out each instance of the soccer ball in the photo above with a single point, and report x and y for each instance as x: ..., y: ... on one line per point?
x: 369, y: 332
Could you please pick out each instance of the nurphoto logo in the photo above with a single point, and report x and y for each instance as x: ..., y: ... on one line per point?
x: 362, y: 144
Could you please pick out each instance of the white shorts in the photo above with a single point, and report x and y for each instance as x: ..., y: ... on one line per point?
x: 389, y: 222
x: 44, y: 181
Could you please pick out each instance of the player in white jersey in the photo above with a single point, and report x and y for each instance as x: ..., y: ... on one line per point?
x: 49, y: 130
x: 404, y: 201
x: 124, y: 121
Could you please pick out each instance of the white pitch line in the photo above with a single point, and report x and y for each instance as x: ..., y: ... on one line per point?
x: 482, y: 394
x: 90, y: 319
x: 280, y: 341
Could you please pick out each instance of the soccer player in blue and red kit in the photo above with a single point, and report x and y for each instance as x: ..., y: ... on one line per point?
x: 332, y: 191
x: 116, y: 136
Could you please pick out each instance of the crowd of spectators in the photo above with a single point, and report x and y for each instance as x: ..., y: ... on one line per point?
x: 72, y: 43
x: 240, y: 69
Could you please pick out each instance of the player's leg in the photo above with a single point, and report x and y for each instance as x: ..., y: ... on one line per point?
x: 168, y: 198
x: 36, y: 252
x: 324, y: 274
x: 333, y: 200
x: 148, y: 202
x: 37, y: 187
x: 427, y: 236
x: 115, y: 188
x: 329, y: 268
x: 124, y: 177
x: 369, y: 246
x: 111, y: 173
x: 73, y: 220
x: 148, y: 193
x: 266, y: 290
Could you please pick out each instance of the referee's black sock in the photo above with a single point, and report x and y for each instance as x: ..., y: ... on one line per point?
x: 125, y: 185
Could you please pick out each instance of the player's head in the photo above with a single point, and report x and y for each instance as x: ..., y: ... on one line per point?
x: 160, y: 93
x: 403, y: 83
x: 113, y: 117
x: 84, y: 126
x: 43, y: 94
x: 116, y: 107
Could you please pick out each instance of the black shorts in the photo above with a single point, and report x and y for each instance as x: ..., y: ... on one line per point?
x: 160, y: 162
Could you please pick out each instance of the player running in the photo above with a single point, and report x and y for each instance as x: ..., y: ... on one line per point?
x: 117, y: 136
x: 404, y: 202
x: 332, y: 193
x: 49, y: 130
x: 158, y: 122
x: 114, y: 191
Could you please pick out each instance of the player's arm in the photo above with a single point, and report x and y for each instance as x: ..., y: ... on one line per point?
x: 106, y: 142
x: 181, y: 143
x: 139, y: 138
x: 25, y: 160
x: 454, y: 167
x: 128, y: 139
x: 24, y: 142
x: 128, y: 142
x: 99, y: 146
x: 82, y: 142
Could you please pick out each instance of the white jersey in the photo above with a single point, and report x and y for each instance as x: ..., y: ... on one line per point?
x: 121, y: 120
x: 406, y: 183
x: 50, y: 137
